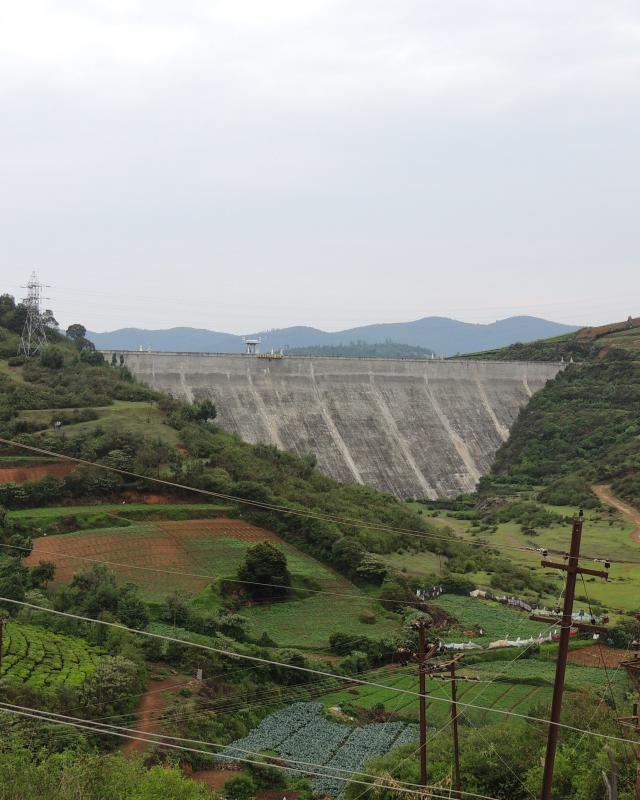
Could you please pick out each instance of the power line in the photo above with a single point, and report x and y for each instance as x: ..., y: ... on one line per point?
x: 47, y: 716
x: 302, y: 590
x: 309, y: 670
x: 322, y: 516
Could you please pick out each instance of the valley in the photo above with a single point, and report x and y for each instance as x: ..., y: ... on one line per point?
x: 231, y: 605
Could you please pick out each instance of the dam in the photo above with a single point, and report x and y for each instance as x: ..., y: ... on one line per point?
x: 415, y: 428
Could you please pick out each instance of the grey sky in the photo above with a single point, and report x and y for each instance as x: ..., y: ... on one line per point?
x: 245, y: 164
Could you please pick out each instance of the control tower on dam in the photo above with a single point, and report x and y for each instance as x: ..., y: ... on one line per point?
x: 415, y: 428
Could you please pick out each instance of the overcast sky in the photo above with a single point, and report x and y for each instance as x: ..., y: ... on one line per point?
x: 246, y: 164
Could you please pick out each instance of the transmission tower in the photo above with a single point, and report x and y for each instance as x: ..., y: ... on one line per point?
x: 34, y: 334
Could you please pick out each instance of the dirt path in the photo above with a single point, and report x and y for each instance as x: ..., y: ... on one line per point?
x: 605, y: 494
x: 152, y: 703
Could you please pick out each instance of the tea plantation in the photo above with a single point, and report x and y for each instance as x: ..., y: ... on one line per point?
x: 45, y: 660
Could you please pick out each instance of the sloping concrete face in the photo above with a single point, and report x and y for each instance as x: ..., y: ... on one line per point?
x: 412, y: 428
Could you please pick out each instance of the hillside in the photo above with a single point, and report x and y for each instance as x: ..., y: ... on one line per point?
x: 386, y: 349
x: 576, y: 443
x: 330, y: 587
x: 442, y: 335
x: 581, y: 345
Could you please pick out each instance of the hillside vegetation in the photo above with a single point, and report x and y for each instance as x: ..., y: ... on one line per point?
x: 358, y: 349
x: 273, y: 561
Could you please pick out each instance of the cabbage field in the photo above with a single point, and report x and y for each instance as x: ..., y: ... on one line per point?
x: 41, y: 659
x: 300, y: 732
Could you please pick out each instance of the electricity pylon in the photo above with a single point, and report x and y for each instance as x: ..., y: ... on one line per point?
x: 34, y: 333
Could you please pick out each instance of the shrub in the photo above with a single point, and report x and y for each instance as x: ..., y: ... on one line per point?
x: 52, y: 357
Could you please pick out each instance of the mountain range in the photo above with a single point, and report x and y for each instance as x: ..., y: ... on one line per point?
x: 443, y: 335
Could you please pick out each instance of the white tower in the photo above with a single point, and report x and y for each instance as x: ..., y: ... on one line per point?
x: 252, y: 346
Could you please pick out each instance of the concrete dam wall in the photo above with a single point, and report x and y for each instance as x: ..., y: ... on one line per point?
x: 415, y: 428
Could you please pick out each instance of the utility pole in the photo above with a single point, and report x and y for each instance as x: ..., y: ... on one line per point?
x: 633, y: 668
x: 3, y: 622
x: 573, y: 569
x: 446, y: 670
x: 454, y: 728
x: 423, y: 657
x: 434, y: 669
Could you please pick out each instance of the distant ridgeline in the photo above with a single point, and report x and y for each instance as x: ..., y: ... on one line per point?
x: 387, y: 349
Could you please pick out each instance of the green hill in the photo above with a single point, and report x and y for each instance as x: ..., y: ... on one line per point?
x: 358, y: 349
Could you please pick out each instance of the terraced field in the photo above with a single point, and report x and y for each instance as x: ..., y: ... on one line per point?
x: 497, y: 621
x: 152, y: 555
x: 504, y: 686
x: 45, y: 660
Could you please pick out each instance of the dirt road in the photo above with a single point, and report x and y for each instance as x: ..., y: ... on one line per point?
x: 606, y: 496
x: 152, y: 703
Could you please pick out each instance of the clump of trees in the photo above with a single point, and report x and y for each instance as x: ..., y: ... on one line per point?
x: 265, y: 572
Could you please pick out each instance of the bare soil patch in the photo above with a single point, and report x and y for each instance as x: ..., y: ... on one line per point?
x: 598, y: 656
x: 152, y: 703
x: 132, y: 496
x: 34, y: 472
x: 606, y: 496
x: 215, y: 778
x: 164, y: 545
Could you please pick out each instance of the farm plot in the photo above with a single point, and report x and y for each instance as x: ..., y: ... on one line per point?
x: 506, y: 686
x: 300, y: 733
x: 497, y: 621
x: 45, y: 660
x: 152, y: 555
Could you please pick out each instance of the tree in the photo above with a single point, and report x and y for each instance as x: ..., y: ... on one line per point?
x: 355, y: 662
x: 265, y: 570
x: 176, y: 609
x: 114, y: 679
x: 43, y: 573
x: 76, y: 332
x: 240, y: 788
x: 204, y: 410
x: 347, y: 553
x: 131, y: 610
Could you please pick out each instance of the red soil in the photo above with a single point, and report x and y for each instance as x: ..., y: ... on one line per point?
x: 170, y: 546
x: 35, y: 472
x: 132, y: 496
x: 215, y: 778
x: 598, y: 656
x: 152, y: 703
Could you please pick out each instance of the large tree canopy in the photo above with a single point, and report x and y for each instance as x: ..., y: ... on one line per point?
x: 265, y: 567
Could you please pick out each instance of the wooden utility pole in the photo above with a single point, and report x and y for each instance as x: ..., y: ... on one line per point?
x: 423, y: 657
x: 3, y: 622
x: 633, y: 668
x: 440, y: 669
x: 573, y: 569
x: 633, y: 722
x: 454, y: 728
x: 423, y: 705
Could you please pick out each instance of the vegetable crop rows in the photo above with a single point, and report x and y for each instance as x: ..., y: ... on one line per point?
x: 45, y: 660
x: 301, y: 733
